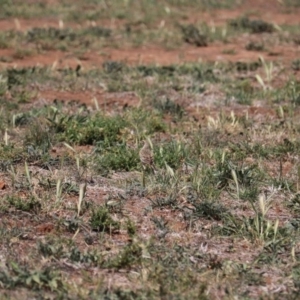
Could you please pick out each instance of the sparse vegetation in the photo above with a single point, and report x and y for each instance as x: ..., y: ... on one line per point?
x: 254, y: 26
x: 84, y: 84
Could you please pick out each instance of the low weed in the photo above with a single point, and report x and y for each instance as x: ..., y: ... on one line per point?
x: 79, y: 216
x: 102, y: 221
x: 118, y: 157
x: 28, y: 205
x: 254, y: 26
x: 16, y: 276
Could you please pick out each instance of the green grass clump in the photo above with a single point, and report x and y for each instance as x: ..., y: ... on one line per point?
x: 255, y: 46
x: 66, y: 249
x: 167, y: 106
x: 39, y: 134
x: 192, y: 35
x: 85, y: 129
x: 173, y: 154
x: 130, y: 256
x: 208, y: 210
x: 291, y: 3
x: 51, y: 33
x: 10, y: 154
x: 16, y: 276
x: 296, y: 64
x: 198, y: 71
x: 29, y: 205
x: 102, y: 221
x: 115, y: 158
x: 254, y: 26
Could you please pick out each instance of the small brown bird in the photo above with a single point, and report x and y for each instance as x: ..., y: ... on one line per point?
x: 146, y: 156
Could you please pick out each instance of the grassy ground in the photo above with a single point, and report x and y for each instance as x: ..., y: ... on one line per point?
x: 80, y: 218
